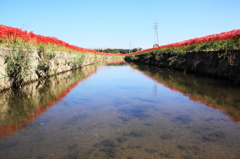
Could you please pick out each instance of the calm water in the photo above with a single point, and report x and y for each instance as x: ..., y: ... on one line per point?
x: 123, y: 111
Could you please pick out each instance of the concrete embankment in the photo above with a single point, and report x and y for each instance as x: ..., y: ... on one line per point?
x: 42, y: 64
x: 211, y: 63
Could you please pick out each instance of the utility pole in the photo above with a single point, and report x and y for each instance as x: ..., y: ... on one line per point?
x: 130, y: 47
x: 155, y: 27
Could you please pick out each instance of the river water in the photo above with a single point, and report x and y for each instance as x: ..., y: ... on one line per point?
x: 123, y: 111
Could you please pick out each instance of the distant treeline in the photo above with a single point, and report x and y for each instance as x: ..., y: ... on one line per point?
x: 119, y: 51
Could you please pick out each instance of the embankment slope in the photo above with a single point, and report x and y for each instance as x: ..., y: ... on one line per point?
x: 210, y: 63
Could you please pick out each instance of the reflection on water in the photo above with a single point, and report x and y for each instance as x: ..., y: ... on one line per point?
x: 208, y: 91
x: 119, y: 112
x: 22, y: 107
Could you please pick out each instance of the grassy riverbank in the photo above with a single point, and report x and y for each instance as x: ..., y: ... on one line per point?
x: 10, y: 35
x: 25, y: 57
x: 215, y: 55
x: 224, y: 41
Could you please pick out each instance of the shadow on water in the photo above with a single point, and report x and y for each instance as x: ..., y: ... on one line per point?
x: 213, y: 93
x: 21, y: 107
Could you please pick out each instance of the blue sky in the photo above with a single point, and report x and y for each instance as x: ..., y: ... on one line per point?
x: 117, y: 23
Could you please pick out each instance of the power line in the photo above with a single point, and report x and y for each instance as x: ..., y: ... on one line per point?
x: 145, y: 9
x: 136, y: 5
x: 149, y: 9
x: 141, y: 9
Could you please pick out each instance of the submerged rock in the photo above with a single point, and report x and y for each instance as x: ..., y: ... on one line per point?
x: 122, y: 139
x: 124, y: 119
x: 134, y: 133
x: 183, y: 119
x: 110, y: 151
x: 183, y: 147
x: 147, y: 124
x: 213, y: 137
x: 108, y: 143
x: 151, y: 150
x: 166, y: 136
x: 167, y: 155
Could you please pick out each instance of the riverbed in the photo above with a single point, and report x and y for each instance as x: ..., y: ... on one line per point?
x: 124, y: 111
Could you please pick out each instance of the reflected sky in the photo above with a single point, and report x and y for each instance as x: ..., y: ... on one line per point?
x: 123, y: 111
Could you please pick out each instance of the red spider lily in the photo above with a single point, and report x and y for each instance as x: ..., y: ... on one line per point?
x: 224, y: 36
x: 8, y: 34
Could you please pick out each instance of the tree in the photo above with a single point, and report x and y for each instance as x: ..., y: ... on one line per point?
x: 136, y: 49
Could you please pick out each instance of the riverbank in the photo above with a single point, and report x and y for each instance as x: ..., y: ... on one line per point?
x: 21, y: 65
x: 210, y: 63
x: 27, y: 57
x: 216, y: 55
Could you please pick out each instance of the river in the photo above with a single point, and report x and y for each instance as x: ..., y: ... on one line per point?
x: 123, y: 111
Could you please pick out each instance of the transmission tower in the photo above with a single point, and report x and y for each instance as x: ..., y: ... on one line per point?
x: 155, y: 27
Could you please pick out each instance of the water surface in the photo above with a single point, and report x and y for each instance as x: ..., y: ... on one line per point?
x: 121, y: 111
